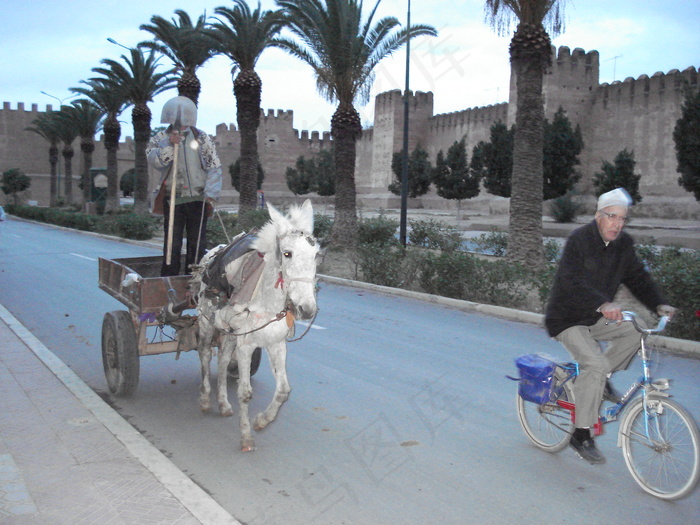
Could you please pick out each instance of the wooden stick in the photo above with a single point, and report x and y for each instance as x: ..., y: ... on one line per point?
x: 173, y: 187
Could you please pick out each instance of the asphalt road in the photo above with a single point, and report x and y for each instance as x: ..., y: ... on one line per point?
x: 400, y: 411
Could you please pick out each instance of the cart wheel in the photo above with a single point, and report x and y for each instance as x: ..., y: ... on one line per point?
x: 254, y: 364
x: 120, y: 353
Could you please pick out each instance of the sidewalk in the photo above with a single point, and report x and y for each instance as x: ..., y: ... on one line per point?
x: 66, y: 457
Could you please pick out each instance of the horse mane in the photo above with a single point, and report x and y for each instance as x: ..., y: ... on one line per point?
x: 298, y: 218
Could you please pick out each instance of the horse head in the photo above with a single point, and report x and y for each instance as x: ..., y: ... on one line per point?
x: 291, y: 238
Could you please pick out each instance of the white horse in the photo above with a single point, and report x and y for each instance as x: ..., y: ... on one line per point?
x: 253, y: 302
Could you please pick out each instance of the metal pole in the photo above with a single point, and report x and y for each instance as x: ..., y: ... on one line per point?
x: 404, y: 168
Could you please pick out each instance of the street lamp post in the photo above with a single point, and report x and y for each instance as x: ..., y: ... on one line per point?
x: 112, y: 41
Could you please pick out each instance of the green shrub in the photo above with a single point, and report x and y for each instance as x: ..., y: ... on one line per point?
x: 564, y: 209
x: 322, y: 226
x: 382, y: 264
x: 494, y: 243
x: 677, y: 272
x: 377, y: 230
x: 447, y: 274
x: 435, y: 235
x: 464, y: 276
x: 136, y: 226
x: 216, y: 233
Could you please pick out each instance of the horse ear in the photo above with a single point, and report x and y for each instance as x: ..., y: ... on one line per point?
x: 276, y: 216
x: 306, y: 218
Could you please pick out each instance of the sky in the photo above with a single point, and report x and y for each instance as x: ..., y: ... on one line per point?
x: 50, y: 46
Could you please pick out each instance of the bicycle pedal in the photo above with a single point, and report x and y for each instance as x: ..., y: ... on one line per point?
x: 661, y: 384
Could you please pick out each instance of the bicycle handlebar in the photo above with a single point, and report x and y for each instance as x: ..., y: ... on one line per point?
x: 632, y: 316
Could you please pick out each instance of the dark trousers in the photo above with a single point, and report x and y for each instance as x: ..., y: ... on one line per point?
x: 187, y: 220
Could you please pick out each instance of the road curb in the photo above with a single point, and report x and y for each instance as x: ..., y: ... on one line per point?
x: 682, y: 347
x: 200, y: 504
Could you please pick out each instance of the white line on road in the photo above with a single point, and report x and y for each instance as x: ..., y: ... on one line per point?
x: 317, y: 327
x: 83, y: 257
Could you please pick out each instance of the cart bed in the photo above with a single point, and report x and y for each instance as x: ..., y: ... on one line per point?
x: 148, y: 294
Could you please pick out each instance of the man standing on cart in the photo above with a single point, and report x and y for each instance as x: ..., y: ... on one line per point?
x: 581, y: 311
x: 188, y: 155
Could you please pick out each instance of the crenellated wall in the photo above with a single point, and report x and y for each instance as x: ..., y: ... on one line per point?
x: 637, y: 114
x: 640, y: 115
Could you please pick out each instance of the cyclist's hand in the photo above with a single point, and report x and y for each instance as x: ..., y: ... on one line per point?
x: 664, y: 309
x: 611, y: 311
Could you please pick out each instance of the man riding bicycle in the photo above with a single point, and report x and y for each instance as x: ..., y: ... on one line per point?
x: 581, y: 311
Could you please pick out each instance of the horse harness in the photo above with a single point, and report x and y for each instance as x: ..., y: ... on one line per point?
x: 224, y: 293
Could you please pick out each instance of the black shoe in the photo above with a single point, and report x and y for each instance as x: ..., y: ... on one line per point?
x: 609, y: 394
x: 587, y: 450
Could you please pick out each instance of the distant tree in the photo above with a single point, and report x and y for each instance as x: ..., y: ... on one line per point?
x: 619, y: 175
x: 127, y: 184
x: 686, y: 135
x: 243, y: 34
x: 188, y: 45
x: 419, y: 173
x: 46, y: 127
x: 562, y: 146
x: 137, y: 78
x: 495, y: 160
x: 299, y: 179
x: 452, y: 175
x: 14, y: 182
x: 235, y: 171
x: 86, y: 118
x: 112, y: 101
x: 324, y: 181
x: 530, y: 56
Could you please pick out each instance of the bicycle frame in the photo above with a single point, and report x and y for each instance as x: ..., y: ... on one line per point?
x: 644, y: 381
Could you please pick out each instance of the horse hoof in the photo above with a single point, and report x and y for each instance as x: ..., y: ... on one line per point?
x: 259, y: 423
x: 204, y: 407
x: 247, y: 445
x: 226, y: 411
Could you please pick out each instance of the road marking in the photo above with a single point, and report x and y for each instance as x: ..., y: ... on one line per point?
x: 83, y: 257
x: 317, y: 327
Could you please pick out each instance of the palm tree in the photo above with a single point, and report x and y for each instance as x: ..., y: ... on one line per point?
x: 112, y: 102
x: 86, y: 119
x: 67, y: 133
x: 140, y: 83
x: 243, y: 36
x: 45, y: 126
x: 343, y: 51
x: 530, y: 54
x: 188, y: 46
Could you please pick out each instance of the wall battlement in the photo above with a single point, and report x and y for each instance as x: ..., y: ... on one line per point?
x: 658, y: 85
x: 490, y: 114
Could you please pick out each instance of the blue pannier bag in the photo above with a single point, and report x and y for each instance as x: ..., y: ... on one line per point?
x: 536, y: 375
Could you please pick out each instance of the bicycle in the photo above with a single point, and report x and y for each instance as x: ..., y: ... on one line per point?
x: 659, y: 438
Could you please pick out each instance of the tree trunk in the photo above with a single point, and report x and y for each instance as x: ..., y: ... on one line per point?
x: 141, y: 117
x: 345, y: 128
x: 247, y: 88
x: 527, y: 185
x: 53, y: 162
x: 68, y: 164
x: 87, y: 146
x: 112, y: 202
x: 112, y: 130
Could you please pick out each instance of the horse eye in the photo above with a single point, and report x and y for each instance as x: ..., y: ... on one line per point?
x: 287, y: 254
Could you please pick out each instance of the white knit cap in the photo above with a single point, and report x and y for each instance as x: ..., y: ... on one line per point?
x: 616, y: 197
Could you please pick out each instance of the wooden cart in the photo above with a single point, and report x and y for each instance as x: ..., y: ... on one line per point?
x: 154, y: 323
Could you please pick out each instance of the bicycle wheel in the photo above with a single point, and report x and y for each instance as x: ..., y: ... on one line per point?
x: 665, y: 462
x: 548, y: 426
